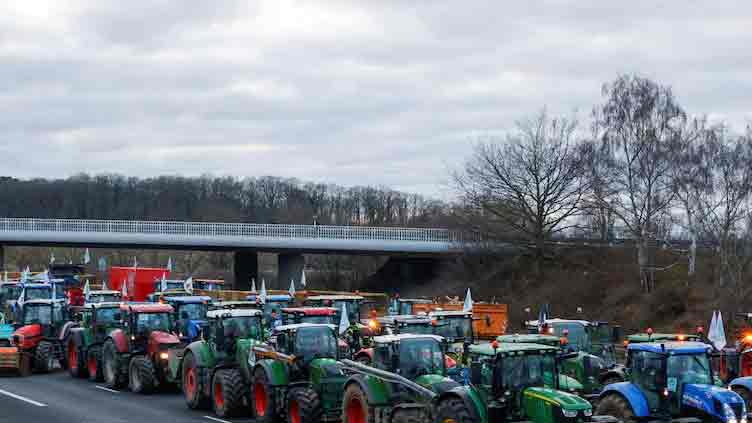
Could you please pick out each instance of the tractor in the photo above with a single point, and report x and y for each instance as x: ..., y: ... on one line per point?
x: 36, y: 291
x: 190, y: 315
x: 513, y: 382
x: 326, y: 315
x: 137, y: 353
x: 667, y: 381
x: 300, y: 379
x: 84, y: 346
x: 215, y: 370
x: 457, y: 328
x: 42, y: 329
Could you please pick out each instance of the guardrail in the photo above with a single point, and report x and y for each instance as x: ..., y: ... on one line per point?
x: 230, y: 230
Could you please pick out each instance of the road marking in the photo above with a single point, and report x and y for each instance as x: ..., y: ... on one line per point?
x: 107, y: 389
x: 19, y: 397
x: 216, y: 419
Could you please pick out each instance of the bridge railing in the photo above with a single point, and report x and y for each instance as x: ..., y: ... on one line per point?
x: 230, y: 229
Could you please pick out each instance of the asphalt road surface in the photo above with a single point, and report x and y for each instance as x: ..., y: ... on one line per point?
x: 59, y: 398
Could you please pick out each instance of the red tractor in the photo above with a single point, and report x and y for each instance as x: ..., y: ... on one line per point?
x: 137, y: 352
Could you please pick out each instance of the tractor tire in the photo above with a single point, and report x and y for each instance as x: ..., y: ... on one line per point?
x: 25, y: 365
x: 113, y: 376
x: 355, y: 408
x: 453, y: 409
x: 192, y: 392
x: 76, y: 360
x: 142, y: 379
x: 745, y: 394
x: 263, y: 398
x: 44, y: 359
x: 615, y: 405
x: 411, y: 415
x: 304, y: 406
x: 94, y: 364
x: 227, y: 393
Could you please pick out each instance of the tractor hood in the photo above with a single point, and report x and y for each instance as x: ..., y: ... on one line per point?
x: 569, y: 384
x: 158, y: 338
x: 28, y: 335
x: 704, y: 397
x: 562, y: 399
x: 436, y: 383
x: 321, y: 368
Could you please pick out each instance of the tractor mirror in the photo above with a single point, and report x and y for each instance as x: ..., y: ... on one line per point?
x: 476, y: 373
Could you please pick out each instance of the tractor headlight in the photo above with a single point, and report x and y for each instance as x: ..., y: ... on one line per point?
x: 163, y: 355
x: 588, y: 412
x: 569, y: 413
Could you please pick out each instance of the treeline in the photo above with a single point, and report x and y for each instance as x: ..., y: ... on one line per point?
x: 264, y: 199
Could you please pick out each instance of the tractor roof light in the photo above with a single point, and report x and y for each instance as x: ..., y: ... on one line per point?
x: 748, y: 338
x: 681, y: 337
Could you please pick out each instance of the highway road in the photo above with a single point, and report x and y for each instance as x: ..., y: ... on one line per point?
x: 59, y: 398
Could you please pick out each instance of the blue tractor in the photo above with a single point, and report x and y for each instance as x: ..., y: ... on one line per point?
x: 190, y: 315
x: 670, y: 381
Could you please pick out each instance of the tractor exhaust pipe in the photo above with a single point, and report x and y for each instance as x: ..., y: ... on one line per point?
x: 389, y: 377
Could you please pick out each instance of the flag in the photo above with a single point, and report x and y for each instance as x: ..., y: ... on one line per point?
x: 344, y: 322
x: 135, y: 262
x: 52, y: 258
x: 262, y: 295
x: 188, y: 285
x: 87, y: 257
x: 292, y: 288
x: 169, y: 264
x: 711, y: 327
x: 104, y: 284
x: 717, y: 334
x: 163, y: 284
x: 253, y: 286
x: 468, y: 306
x: 124, y: 289
x: 542, y: 317
x: 302, y: 279
x: 5, y: 277
x: 87, y: 291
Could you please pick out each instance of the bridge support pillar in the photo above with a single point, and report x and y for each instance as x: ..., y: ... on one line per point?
x: 289, y: 267
x: 245, y: 268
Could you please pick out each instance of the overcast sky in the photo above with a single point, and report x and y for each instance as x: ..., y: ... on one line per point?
x: 372, y: 92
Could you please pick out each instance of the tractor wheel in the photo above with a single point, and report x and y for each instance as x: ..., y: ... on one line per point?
x: 142, y: 378
x: 76, y: 361
x: 616, y: 406
x: 227, y: 393
x: 355, y: 408
x: 413, y: 415
x: 194, y: 396
x: 94, y: 365
x: 263, y: 398
x: 113, y: 377
x: 745, y: 394
x: 304, y: 406
x: 44, y: 359
x: 24, y: 365
x: 450, y: 410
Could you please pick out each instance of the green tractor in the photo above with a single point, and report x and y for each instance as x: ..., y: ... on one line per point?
x: 214, y: 370
x: 84, y: 346
x: 300, y: 379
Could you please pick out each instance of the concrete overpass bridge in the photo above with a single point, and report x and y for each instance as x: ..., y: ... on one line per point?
x: 291, y: 242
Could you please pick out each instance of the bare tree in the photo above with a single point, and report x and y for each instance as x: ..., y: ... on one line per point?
x: 530, y: 182
x: 639, y: 128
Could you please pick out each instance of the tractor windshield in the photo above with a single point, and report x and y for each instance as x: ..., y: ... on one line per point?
x: 37, y: 313
x: 688, y: 368
x: 147, y: 322
x: 104, y: 298
x: 417, y: 328
x: 243, y: 327
x: 523, y: 371
x: 315, y: 342
x: 420, y: 357
x: 195, y: 311
x: 329, y: 320
x: 455, y: 327
x: 10, y: 292
x: 577, y: 337
x: 107, y: 316
x: 41, y: 293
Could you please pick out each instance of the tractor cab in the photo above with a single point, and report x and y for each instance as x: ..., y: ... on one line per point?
x: 404, y: 306
x: 101, y: 318
x: 231, y: 333
x: 190, y: 314
x: 307, y: 342
x: 104, y: 296
x: 670, y: 380
x: 416, y: 357
x: 326, y: 315
x: 273, y: 303
x: 47, y: 313
x: 351, y: 302
x: 142, y: 321
x: 520, y: 381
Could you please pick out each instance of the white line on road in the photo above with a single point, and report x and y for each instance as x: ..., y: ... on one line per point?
x: 19, y: 397
x: 216, y: 419
x: 107, y: 389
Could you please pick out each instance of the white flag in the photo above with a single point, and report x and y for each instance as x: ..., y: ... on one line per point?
x: 717, y: 334
x: 52, y: 258
x: 87, y: 291
x: 253, y: 286
x: 262, y: 296
x: 711, y: 327
x: 135, y: 262
x: 163, y: 284
x: 5, y: 276
x: 344, y: 322
x: 302, y: 279
x: 104, y: 284
x: 87, y: 257
x: 124, y: 290
x: 468, y: 306
x: 188, y: 285
x: 169, y: 264
x: 292, y: 288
